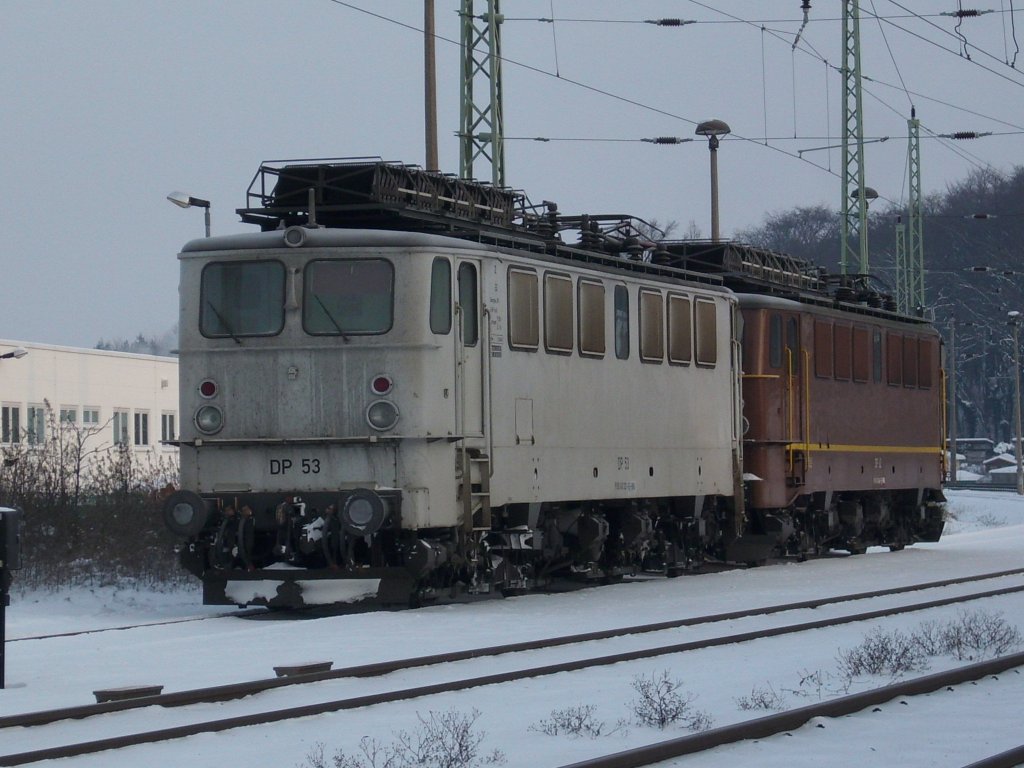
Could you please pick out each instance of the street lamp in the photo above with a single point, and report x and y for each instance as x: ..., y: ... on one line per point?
x: 183, y: 200
x: 1014, y: 319
x: 17, y: 353
x: 713, y: 129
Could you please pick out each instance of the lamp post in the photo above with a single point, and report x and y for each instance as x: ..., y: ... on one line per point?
x: 1014, y: 318
x: 713, y: 129
x: 183, y: 200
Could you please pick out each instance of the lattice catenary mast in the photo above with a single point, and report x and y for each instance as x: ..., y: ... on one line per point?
x: 481, y: 130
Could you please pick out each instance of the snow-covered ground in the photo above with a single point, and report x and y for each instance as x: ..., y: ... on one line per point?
x: 985, y: 534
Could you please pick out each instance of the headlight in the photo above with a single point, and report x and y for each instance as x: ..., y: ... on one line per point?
x: 185, y: 513
x: 363, y: 512
x: 382, y: 415
x: 209, y: 419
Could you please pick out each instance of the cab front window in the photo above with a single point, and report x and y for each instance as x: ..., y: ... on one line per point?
x: 242, y: 298
x: 354, y: 296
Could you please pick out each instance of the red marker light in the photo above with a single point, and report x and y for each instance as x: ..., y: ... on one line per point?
x: 381, y: 385
x: 208, y: 388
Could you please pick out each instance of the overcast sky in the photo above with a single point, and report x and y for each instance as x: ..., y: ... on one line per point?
x: 109, y: 105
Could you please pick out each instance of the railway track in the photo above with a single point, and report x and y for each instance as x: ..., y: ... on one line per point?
x: 236, y: 691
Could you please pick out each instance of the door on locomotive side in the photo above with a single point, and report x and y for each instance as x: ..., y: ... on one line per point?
x: 795, y: 368
x: 470, y: 357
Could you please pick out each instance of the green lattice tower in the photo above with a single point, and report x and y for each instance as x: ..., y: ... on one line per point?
x: 854, y: 224
x: 915, y: 220
x: 481, y: 124
x: 902, y: 285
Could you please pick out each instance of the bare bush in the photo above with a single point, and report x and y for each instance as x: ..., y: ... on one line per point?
x: 979, y: 635
x: 443, y: 740
x: 883, y: 653
x: 577, y: 721
x: 92, y: 517
x: 819, y: 684
x: 660, y: 702
x: 762, y: 697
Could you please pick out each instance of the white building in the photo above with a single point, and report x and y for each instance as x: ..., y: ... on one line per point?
x: 107, y: 397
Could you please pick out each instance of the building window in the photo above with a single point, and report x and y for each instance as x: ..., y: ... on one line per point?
x: 36, y: 426
x: 652, y: 327
x: 11, y: 432
x: 591, y: 309
x: 558, y: 315
x: 523, y: 327
x: 68, y: 416
x: 120, y: 422
x: 90, y: 417
x: 621, y: 322
x: 141, y: 428
x: 167, y: 432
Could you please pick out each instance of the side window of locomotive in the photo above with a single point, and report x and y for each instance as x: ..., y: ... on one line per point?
x: 861, y: 355
x: 242, y: 298
x: 909, y: 361
x: 558, y: 314
x: 823, y: 360
x: 843, y: 344
x: 793, y: 343
x: 523, y: 310
x: 468, y: 304
x: 775, y: 341
x: 894, y: 358
x: 876, y: 356
x: 680, y: 330
x: 591, y: 318
x: 924, y: 364
x: 652, y: 325
x: 621, y: 322
x: 354, y: 296
x: 440, y: 296
x: 707, y: 333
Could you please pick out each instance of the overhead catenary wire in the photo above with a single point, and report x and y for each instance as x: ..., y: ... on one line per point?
x: 948, y: 50
x: 806, y: 47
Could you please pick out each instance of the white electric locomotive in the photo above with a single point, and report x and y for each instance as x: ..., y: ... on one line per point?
x: 406, y: 386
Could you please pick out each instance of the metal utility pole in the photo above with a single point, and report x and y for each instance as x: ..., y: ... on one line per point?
x: 915, y: 221
x: 429, y: 86
x: 953, y: 463
x: 854, y: 224
x: 1015, y: 318
x: 902, y: 297
x: 481, y: 131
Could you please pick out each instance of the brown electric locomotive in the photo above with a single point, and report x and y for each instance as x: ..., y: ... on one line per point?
x: 842, y: 407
